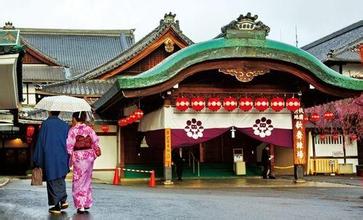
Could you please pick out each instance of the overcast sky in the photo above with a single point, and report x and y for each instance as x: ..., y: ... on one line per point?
x: 200, y: 20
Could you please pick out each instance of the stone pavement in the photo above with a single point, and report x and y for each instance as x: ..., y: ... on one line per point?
x: 240, y: 182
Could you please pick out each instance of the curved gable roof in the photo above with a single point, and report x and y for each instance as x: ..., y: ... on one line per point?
x: 225, y: 48
x: 166, y: 24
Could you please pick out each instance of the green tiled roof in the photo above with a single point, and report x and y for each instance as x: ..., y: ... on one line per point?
x: 225, y: 48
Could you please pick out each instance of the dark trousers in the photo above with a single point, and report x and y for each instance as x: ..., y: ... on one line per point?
x: 266, y: 170
x: 56, y: 190
x: 179, y: 170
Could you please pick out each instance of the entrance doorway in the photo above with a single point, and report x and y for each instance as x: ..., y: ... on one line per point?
x: 215, y: 157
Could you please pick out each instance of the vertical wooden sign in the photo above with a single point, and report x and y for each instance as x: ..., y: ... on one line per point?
x: 167, y: 151
x: 299, y: 137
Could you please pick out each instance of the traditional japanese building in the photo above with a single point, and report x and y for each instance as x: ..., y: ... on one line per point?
x: 235, y: 93
x: 335, y: 137
x: 52, y: 56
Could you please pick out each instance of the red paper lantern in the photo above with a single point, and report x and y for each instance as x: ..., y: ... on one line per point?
x: 335, y: 136
x: 322, y: 136
x: 30, y: 131
x: 277, y: 104
x: 133, y: 117
x: 292, y: 104
x: 328, y: 116
x: 314, y: 117
x: 122, y: 122
x: 198, y: 103
x: 361, y: 52
x: 139, y: 114
x: 214, y: 103
x: 182, y: 103
x: 129, y: 120
x: 229, y: 103
x: 245, y: 104
x: 261, y: 104
x: 105, y: 128
x: 353, y: 137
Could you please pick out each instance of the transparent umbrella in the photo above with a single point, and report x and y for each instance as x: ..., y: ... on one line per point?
x: 63, y: 103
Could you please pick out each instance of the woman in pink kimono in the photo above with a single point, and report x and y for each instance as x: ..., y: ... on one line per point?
x: 83, y: 148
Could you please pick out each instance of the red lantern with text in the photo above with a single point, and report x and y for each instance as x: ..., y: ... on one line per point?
x: 328, y: 116
x: 133, y: 117
x: 245, y: 104
x: 314, y: 117
x: 129, y: 120
x: 361, y: 52
x: 105, y: 128
x: 229, y: 103
x: 277, y: 104
x: 122, y: 122
x: 139, y: 114
x: 198, y: 103
x: 261, y: 104
x: 182, y: 103
x: 292, y: 104
x: 214, y: 103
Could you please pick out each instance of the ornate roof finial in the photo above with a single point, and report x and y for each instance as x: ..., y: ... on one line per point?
x: 246, y: 26
x: 169, y: 19
x: 8, y: 25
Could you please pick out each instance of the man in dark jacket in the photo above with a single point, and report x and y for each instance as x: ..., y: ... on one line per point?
x: 51, y: 155
x: 266, y: 162
x: 178, y: 162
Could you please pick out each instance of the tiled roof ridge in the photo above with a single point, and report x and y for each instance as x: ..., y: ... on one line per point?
x: 349, y: 46
x: 81, y: 32
x: 41, y: 53
x: 129, y: 53
x: 334, y: 35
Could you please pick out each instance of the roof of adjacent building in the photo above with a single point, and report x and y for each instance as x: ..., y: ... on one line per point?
x: 80, y: 50
x: 43, y: 73
x: 80, y: 82
x: 77, y: 88
x: 168, y: 22
x: 325, y: 47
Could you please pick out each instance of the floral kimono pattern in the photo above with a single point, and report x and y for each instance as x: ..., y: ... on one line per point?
x: 82, y: 160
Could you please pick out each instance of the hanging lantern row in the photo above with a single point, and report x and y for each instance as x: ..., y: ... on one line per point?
x: 335, y: 136
x: 315, y: 117
x: 135, y: 116
x: 231, y: 103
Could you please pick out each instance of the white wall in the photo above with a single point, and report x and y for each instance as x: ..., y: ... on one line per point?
x: 334, y: 148
x: 108, y: 159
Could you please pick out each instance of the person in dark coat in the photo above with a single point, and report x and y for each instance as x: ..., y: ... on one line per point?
x: 266, y: 162
x: 178, y: 162
x: 51, y: 155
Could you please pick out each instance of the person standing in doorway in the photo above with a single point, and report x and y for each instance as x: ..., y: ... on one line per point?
x: 266, y: 162
x: 178, y: 162
x: 83, y: 148
x: 51, y: 155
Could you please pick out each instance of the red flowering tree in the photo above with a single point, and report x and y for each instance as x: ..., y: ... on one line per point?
x: 348, y: 116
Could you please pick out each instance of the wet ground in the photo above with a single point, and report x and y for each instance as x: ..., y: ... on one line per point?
x: 195, y: 199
